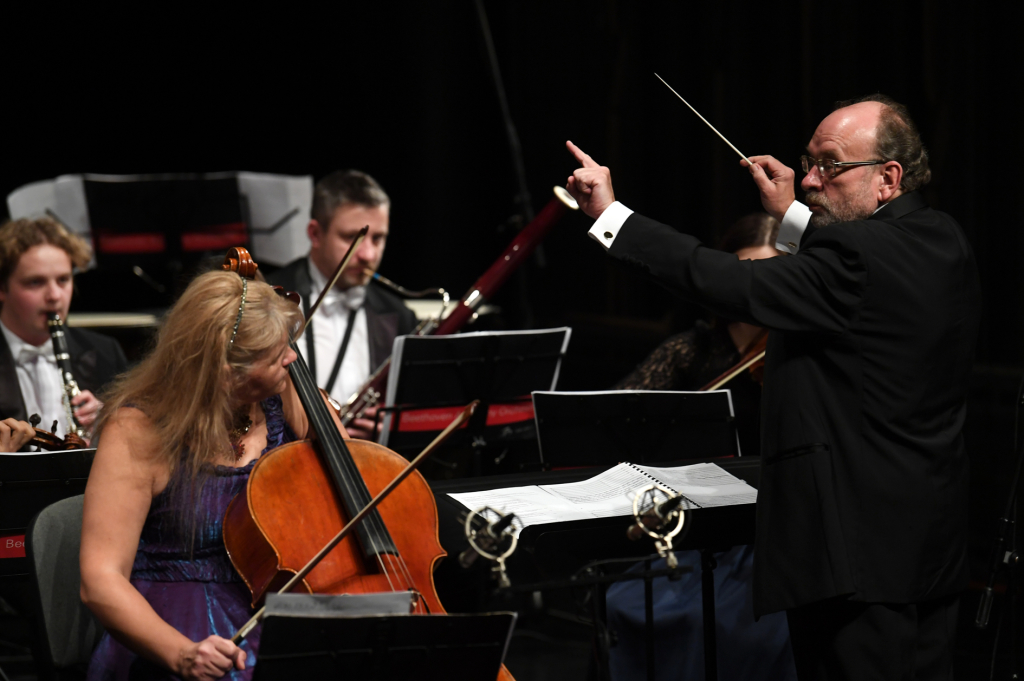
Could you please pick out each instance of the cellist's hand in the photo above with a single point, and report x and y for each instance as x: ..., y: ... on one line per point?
x: 211, y: 658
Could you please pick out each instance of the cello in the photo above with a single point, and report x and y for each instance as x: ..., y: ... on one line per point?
x: 302, y: 494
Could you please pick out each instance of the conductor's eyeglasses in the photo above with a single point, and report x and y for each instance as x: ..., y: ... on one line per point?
x: 828, y: 168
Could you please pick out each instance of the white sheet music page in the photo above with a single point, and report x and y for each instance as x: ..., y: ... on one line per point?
x: 606, y: 495
x: 610, y: 494
x: 531, y: 504
x: 705, y: 483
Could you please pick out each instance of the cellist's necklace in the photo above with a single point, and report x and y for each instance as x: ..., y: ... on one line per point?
x: 241, y: 423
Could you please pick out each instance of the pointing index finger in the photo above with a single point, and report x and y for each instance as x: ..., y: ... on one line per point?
x: 583, y: 159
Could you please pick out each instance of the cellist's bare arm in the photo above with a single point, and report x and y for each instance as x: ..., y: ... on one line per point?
x: 122, y: 483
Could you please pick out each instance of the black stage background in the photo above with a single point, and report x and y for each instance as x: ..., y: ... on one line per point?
x: 404, y: 92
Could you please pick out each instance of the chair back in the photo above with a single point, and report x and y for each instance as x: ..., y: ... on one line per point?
x: 67, y: 631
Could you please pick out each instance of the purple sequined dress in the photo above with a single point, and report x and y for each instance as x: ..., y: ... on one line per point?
x: 198, y: 595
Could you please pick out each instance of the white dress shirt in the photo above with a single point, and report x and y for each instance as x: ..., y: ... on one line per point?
x: 39, y: 379
x: 794, y: 222
x: 329, y: 324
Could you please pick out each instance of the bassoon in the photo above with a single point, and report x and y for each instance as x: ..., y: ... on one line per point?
x: 372, y: 392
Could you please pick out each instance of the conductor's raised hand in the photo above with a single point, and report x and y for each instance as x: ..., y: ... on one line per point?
x: 591, y: 184
x: 211, y: 658
x: 775, y: 182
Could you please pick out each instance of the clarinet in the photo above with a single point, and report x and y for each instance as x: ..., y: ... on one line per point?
x: 60, y: 349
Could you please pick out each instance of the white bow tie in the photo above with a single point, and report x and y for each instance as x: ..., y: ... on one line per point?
x: 352, y: 299
x: 29, y: 354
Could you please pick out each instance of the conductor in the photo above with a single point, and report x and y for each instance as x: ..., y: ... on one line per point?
x: 861, y: 513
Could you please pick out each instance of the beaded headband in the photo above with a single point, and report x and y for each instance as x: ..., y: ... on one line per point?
x: 241, y: 308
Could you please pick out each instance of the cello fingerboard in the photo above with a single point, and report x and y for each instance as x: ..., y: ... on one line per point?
x: 372, y: 532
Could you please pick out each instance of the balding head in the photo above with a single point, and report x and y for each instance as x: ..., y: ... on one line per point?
x: 853, y: 129
x: 849, y: 136
x: 896, y: 139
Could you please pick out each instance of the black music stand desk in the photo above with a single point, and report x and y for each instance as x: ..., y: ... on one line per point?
x: 433, y: 378
x: 29, y: 483
x: 551, y: 555
x: 350, y: 643
x: 642, y: 426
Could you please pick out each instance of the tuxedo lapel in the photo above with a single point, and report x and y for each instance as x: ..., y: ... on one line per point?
x: 381, y: 327
x: 84, y: 362
x: 11, y: 404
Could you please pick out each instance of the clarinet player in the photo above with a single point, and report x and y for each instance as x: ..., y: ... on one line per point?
x: 37, y: 257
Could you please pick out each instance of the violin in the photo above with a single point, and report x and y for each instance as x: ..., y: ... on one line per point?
x: 46, y: 439
x: 302, y: 494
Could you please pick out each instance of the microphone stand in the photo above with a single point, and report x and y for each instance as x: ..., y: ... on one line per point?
x: 1005, y: 535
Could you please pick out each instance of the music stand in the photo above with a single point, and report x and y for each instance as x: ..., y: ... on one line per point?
x: 433, y: 377
x: 151, y: 233
x: 641, y: 426
x: 329, y: 643
x: 28, y: 484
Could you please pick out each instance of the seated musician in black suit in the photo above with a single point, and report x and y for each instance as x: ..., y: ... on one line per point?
x: 37, y: 258
x: 862, y: 507
x: 356, y: 324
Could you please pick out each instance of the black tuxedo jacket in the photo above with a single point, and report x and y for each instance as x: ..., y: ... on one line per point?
x: 386, y: 316
x: 95, y: 360
x: 863, y: 471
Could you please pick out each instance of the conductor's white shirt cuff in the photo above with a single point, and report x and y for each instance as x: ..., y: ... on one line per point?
x: 607, y: 226
x: 794, y: 222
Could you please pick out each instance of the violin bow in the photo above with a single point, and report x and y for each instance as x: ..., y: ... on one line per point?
x: 334, y: 278
x: 747, y: 359
x: 357, y: 518
x: 737, y: 371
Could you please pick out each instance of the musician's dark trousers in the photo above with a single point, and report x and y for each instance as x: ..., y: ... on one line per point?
x: 839, y: 639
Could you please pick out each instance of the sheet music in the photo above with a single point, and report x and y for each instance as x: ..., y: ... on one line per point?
x: 610, y: 494
x: 605, y: 495
x: 531, y: 504
x: 705, y: 483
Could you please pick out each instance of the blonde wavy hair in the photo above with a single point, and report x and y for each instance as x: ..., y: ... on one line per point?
x: 185, y: 385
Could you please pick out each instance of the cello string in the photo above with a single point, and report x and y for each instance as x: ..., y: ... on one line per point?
x: 392, y: 565
x: 385, y: 559
x: 376, y: 533
x: 376, y: 530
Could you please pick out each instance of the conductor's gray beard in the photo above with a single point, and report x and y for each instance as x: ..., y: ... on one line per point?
x: 843, y: 210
